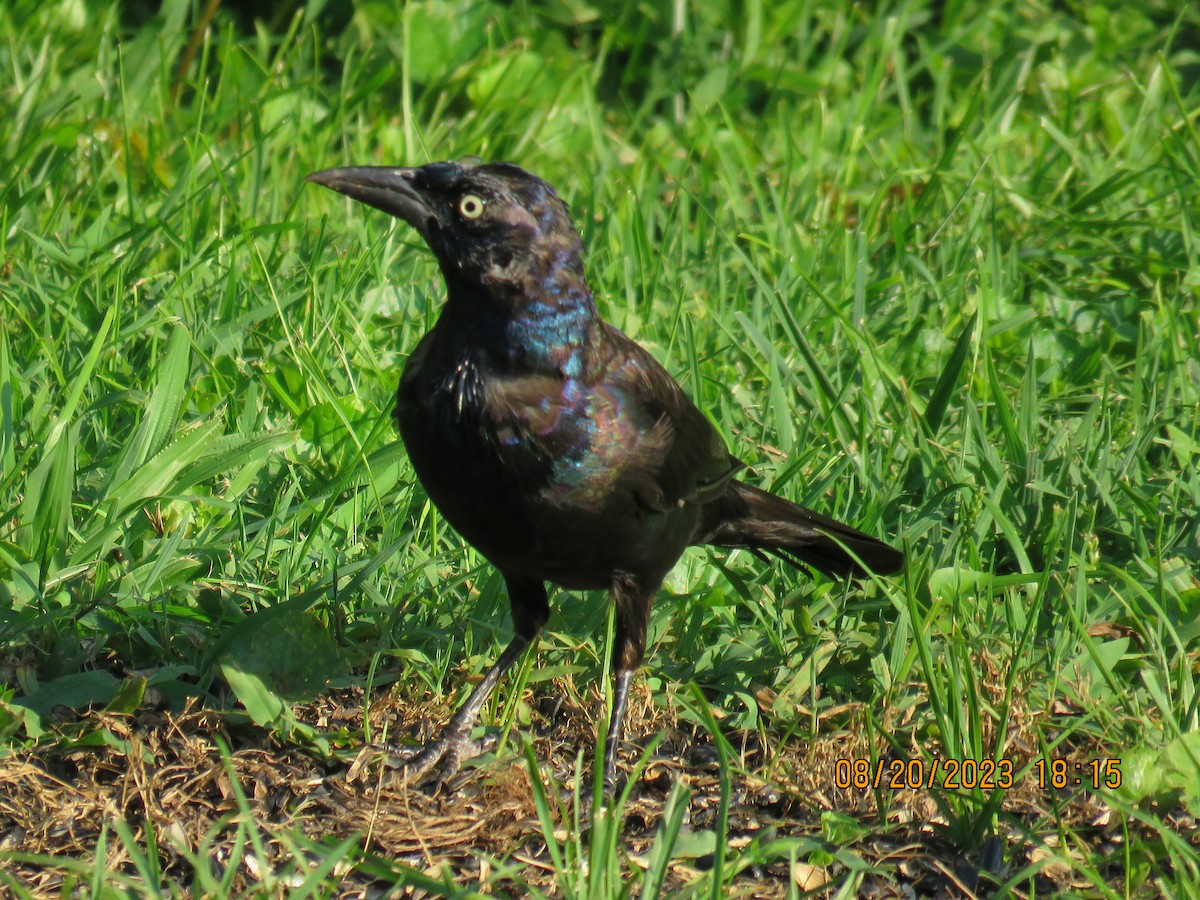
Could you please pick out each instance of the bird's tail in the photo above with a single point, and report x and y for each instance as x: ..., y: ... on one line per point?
x: 750, y: 518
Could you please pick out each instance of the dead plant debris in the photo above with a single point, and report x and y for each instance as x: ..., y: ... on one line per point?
x: 165, y: 771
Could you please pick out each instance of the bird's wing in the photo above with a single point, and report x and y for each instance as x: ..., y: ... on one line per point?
x: 689, y: 462
x: 625, y: 421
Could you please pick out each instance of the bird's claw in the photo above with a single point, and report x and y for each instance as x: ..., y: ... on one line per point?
x: 614, y: 785
x: 437, y: 761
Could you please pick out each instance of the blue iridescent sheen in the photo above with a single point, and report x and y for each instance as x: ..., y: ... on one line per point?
x: 550, y: 333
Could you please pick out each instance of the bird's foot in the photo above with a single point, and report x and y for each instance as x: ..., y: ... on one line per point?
x: 436, y: 762
x: 614, y: 785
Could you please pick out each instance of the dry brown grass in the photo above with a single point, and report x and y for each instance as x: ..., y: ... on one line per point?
x: 171, y: 772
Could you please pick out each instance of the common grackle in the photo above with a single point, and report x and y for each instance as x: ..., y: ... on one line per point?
x: 552, y: 442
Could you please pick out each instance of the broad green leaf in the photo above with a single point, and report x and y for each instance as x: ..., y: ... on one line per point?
x: 77, y: 691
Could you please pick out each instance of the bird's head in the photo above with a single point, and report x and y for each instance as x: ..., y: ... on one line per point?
x: 489, y: 224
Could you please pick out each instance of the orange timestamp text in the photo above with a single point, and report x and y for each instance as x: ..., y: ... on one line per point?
x: 968, y: 774
x: 900, y: 774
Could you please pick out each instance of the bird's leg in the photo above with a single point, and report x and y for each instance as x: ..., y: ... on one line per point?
x: 530, y: 610
x: 632, y: 599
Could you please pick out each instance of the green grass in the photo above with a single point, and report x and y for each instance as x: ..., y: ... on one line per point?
x: 932, y: 269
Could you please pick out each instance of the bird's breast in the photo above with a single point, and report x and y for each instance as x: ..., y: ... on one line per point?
x: 549, y: 471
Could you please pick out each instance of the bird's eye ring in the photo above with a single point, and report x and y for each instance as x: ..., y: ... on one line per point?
x: 471, y: 206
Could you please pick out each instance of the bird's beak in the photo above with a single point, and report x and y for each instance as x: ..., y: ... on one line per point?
x: 383, y: 187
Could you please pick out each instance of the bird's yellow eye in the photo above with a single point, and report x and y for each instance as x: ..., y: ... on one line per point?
x: 471, y: 206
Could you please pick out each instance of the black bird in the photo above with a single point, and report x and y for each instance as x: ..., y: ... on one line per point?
x: 552, y: 442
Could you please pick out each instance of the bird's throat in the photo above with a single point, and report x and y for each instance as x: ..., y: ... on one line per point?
x: 552, y: 333
x: 547, y: 330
